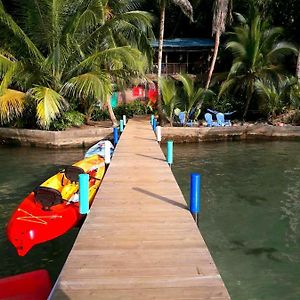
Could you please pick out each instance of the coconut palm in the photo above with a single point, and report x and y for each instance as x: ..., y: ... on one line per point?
x: 298, y: 67
x: 194, y: 96
x: 187, y: 9
x: 220, y: 17
x: 276, y: 96
x: 257, y: 54
x: 67, y: 49
x: 169, y: 97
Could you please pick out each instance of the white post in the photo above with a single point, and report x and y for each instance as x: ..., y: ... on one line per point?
x: 124, y: 120
x: 158, y: 133
x: 107, y: 152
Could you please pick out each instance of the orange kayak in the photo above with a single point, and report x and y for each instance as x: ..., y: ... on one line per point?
x: 53, y: 208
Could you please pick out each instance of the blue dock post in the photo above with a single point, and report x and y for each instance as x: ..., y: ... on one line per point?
x: 116, y: 136
x: 154, y: 125
x: 84, y: 194
x: 170, y: 152
x: 195, y: 195
x: 151, y: 120
x: 121, y: 126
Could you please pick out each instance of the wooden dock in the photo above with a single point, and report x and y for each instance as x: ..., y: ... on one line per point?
x: 139, y: 240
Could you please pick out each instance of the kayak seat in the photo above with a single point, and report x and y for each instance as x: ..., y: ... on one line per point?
x: 48, y: 197
x: 72, y: 173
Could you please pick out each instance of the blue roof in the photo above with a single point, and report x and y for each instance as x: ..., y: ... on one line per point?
x: 185, y: 43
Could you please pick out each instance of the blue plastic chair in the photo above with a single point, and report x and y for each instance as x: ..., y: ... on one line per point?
x: 181, y: 117
x: 209, y: 120
x: 221, y: 120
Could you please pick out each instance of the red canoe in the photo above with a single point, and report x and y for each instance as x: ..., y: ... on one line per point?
x: 53, y: 208
x: 34, y: 285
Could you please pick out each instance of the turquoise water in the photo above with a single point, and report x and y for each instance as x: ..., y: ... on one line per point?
x: 250, y: 211
x: 250, y: 215
x: 22, y: 169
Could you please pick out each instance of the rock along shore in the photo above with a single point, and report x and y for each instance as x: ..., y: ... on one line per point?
x: 81, y: 137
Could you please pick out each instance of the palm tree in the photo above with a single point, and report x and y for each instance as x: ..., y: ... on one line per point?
x: 194, y: 96
x: 66, y: 50
x: 187, y: 9
x: 220, y: 17
x: 298, y: 67
x: 169, y: 97
x: 257, y: 52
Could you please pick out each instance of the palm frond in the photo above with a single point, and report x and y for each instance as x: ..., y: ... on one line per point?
x: 186, y: 8
x: 89, y: 85
x: 11, y: 105
x: 50, y: 104
x: 188, y: 84
x: 7, y: 21
x: 5, y: 63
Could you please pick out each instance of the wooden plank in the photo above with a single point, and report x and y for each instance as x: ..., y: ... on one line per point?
x: 139, y: 240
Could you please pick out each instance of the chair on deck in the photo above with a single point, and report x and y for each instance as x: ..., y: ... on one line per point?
x: 209, y: 120
x: 221, y: 120
x: 182, y: 120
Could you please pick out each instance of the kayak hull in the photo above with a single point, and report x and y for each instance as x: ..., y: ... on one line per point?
x: 35, y: 285
x: 32, y: 224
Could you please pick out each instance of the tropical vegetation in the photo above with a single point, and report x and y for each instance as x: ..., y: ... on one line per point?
x: 257, y: 56
x: 64, y: 53
x: 61, y: 60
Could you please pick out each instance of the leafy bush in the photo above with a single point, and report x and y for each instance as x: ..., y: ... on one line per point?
x: 136, y: 107
x: 68, y: 119
x: 100, y: 114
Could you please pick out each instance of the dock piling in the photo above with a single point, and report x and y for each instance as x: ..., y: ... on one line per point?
x: 170, y: 152
x: 107, y: 152
x: 158, y: 134
x: 121, y: 126
x: 195, y: 193
x: 116, y: 136
x: 124, y: 120
x: 151, y: 120
x: 154, y: 125
x: 84, y: 194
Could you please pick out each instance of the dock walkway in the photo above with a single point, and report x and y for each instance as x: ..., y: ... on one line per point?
x: 139, y: 240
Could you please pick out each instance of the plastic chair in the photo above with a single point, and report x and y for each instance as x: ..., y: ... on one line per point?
x: 181, y: 117
x: 209, y: 120
x: 221, y: 120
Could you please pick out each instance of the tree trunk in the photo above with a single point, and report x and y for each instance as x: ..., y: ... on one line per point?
x: 111, y: 113
x: 123, y: 95
x: 213, y: 62
x: 159, y: 63
x: 249, y: 97
x: 298, y: 67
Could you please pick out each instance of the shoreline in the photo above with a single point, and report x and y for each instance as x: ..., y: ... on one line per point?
x: 86, y: 136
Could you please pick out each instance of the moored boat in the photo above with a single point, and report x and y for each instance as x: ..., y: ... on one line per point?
x: 53, y: 208
x: 99, y: 148
x: 35, y: 285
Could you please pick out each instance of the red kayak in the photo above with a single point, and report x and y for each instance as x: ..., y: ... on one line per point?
x: 34, y: 285
x: 53, y: 208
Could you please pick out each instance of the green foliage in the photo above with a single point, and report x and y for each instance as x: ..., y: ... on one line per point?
x: 169, y: 97
x: 68, y: 119
x: 257, y: 53
x: 100, y: 114
x: 136, y: 107
x: 60, y: 50
x: 193, y: 95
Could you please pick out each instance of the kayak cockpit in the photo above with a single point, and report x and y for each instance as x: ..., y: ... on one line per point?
x: 48, y: 197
